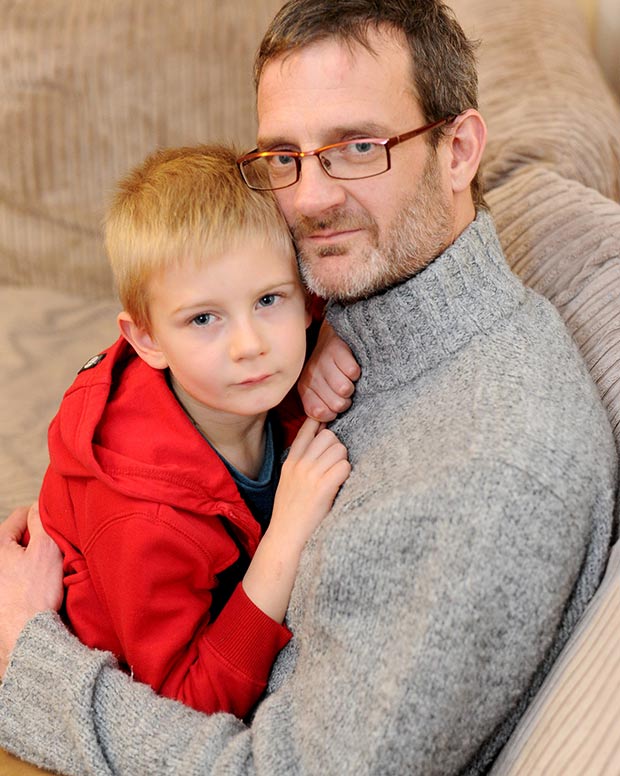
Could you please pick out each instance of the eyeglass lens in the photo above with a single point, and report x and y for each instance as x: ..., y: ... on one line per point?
x: 347, y: 161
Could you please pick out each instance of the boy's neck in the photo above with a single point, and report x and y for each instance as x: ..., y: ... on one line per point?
x: 240, y: 439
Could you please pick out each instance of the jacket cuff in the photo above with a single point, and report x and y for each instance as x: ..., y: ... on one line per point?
x: 247, y: 637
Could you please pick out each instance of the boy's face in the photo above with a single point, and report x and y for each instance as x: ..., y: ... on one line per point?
x: 232, y: 332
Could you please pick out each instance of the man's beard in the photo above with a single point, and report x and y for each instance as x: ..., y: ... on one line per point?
x: 421, y: 230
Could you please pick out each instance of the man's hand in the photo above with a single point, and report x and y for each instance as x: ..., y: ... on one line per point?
x: 30, y: 577
x: 327, y: 381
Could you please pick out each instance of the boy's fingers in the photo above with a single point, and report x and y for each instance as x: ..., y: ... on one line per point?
x: 333, y: 378
x: 309, y: 429
x: 314, y: 441
x: 323, y: 404
x: 348, y: 366
x: 325, y: 443
x: 331, y: 454
x: 344, y: 359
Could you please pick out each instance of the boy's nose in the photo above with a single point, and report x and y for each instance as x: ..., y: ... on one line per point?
x: 246, y: 341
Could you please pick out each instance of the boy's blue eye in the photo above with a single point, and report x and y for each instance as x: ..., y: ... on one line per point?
x: 267, y: 300
x: 203, y: 319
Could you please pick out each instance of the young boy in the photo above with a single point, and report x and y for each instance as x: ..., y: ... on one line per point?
x: 165, y: 451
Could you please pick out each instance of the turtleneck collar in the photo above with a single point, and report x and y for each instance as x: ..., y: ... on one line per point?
x: 402, y: 332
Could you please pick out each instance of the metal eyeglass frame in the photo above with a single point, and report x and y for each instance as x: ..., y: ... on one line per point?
x: 387, y: 143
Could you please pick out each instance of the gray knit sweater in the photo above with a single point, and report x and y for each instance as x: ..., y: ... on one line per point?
x: 472, y: 532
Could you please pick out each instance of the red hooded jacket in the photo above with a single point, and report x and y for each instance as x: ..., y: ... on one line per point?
x: 147, y: 516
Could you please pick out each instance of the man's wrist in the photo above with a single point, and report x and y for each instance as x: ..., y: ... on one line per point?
x: 10, y: 631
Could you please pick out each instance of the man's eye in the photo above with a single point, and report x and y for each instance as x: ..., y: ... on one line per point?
x: 202, y: 320
x: 278, y: 161
x: 363, y: 147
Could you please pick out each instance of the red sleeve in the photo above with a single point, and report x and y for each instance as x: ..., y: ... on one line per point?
x: 316, y: 307
x: 155, y: 583
x: 291, y: 415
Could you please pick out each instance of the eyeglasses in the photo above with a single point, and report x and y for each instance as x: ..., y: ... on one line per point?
x: 348, y: 160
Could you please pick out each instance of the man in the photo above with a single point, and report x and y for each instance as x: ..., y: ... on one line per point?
x: 475, y: 524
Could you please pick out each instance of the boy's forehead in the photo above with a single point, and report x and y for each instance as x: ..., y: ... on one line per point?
x: 223, y: 271
x: 256, y: 248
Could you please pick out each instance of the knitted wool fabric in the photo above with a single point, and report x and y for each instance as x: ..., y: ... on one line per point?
x: 469, y: 537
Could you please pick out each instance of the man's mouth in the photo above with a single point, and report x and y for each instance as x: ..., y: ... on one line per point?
x: 330, y: 235
x: 338, y: 227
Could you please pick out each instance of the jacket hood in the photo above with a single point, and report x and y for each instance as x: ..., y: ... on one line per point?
x: 120, y: 423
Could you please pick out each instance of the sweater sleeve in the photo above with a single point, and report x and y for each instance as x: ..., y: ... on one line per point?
x: 417, y: 641
x: 154, y: 584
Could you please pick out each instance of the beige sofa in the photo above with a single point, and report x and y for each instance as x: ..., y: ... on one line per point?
x: 88, y: 87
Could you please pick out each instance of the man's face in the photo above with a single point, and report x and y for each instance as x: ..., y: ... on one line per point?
x: 356, y: 237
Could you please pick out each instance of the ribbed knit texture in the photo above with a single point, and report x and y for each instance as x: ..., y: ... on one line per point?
x: 563, y: 239
x: 571, y: 728
x: 471, y: 533
x: 543, y: 93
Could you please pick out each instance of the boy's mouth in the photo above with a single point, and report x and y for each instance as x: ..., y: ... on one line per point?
x: 255, y: 380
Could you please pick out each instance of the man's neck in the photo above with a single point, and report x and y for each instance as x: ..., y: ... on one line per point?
x: 403, y: 332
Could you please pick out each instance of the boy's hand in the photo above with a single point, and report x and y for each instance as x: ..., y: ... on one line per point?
x: 30, y: 577
x: 314, y: 470
x: 327, y: 381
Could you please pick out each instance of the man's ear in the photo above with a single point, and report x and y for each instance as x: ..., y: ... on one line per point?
x: 141, y: 341
x: 467, y: 140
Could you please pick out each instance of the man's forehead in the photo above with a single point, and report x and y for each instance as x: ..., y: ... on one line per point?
x: 383, y: 44
x: 333, y: 83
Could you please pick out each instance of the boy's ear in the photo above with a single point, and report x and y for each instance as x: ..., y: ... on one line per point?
x: 141, y: 341
x: 467, y: 142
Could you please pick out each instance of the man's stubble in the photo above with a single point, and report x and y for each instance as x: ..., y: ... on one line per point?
x: 422, y: 228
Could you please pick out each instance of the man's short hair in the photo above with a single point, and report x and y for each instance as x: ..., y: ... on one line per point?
x: 183, y: 204
x: 444, y: 68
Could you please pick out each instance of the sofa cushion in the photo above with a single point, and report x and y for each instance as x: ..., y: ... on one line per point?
x: 45, y: 337
x: 11, y: 766
x: 572, y: 725
x: 542, y: 93
x: 563, y: 239
x: 87, y: 89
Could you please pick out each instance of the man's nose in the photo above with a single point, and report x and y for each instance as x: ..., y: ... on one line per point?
x: 246, y: 340
x: 315, y: 192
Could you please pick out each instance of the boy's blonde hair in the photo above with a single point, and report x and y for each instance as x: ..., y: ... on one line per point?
x: 182, y: 204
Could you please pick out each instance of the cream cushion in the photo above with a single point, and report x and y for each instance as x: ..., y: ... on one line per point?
x: 542, y: 93
x: 45, y: 337
x: 88, y: 88
x: 563, y: 239
x: 573, y: 726
x: 552, y: 171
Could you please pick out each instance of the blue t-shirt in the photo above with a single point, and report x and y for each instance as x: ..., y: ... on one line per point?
x: 259, y: 494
